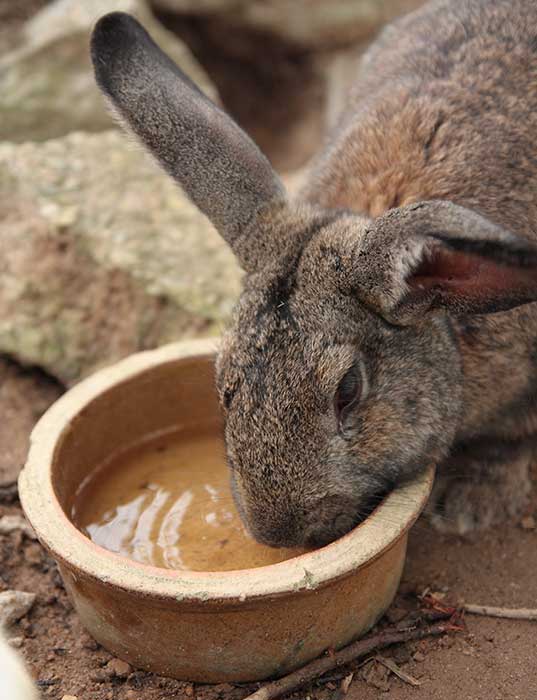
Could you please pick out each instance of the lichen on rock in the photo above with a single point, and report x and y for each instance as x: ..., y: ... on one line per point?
x: 102, y: 255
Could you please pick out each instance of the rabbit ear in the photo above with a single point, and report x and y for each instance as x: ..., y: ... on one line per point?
x: 437, y: 254
x: 216, y: 163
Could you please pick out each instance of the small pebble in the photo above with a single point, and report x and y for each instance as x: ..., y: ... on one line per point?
x: 99, y: 677
x: 189, y: 691
x: 14, y: 605
x: 12, y: 523
x: 118, y: 668
x: 16, y: 642
x: 87, y: 642
x: 467, y: 649
x: 69, y: 697
x: 419, y: 657
x: 528, y: 523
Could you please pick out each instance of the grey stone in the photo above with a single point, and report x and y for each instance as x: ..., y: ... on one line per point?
x: 47, y: 82
x: 14, y: 605
x: 103, y: 255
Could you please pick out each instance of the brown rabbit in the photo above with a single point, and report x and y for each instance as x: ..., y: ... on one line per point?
x: 384, y: 322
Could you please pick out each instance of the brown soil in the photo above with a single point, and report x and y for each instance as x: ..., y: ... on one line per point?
x: 492, y: 659
x: 24, y: 396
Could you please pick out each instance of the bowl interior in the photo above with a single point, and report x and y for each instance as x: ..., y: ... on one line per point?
x: 174, y: 396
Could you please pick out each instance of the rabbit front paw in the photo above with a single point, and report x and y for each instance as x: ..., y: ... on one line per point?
x: 465, y: 505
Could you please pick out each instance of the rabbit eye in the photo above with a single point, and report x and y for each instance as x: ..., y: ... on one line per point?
x: 348, y: 393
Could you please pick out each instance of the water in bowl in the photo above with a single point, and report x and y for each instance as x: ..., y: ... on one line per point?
x: 168, y: 503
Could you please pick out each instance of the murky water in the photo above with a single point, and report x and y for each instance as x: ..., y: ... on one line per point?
x: 168, y: 504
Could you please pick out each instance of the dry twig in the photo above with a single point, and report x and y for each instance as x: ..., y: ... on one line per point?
x: 386, y: 638
x: 440, y: 608
x: 357, y: 650
x: 511, y: 613
x: 396, y: 670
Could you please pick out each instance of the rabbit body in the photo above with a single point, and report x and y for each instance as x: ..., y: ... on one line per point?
x: 386, y: 318
x: 445, y: 107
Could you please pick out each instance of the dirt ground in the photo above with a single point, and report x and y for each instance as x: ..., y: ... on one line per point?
x: 492, y: 659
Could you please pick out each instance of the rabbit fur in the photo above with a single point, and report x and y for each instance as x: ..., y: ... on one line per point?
x: 386, y: 320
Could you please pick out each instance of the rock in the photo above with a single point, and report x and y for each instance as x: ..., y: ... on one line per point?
x: 99, y: 676
x: 16, y: 642
x: 418, y: 656
x: 47, y: 83
x: 13, y: 16
x: 10, y: 523
x: 118, y: 668
x: 69, y: 697
x: 24, y: 396
x: 14, y: 605
x: 103, y: 255
x: 308, y: 23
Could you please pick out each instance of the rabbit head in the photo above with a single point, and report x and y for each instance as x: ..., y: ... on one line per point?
x: 340, y: 375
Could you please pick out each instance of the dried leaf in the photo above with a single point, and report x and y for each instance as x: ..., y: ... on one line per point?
x: 345, y: 684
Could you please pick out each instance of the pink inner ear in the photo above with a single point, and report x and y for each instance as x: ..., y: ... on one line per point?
x: 470, y: 276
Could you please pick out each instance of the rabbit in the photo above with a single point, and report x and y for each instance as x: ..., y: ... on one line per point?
x: 386, y: 320
x: 16, y: 683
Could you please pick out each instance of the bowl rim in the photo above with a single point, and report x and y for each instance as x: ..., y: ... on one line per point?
x: 360, y: 547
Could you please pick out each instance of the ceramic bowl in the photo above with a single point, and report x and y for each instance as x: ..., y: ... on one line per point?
x: 241, y: 625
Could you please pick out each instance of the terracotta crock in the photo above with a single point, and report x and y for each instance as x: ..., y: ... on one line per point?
x: 201, y: 626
